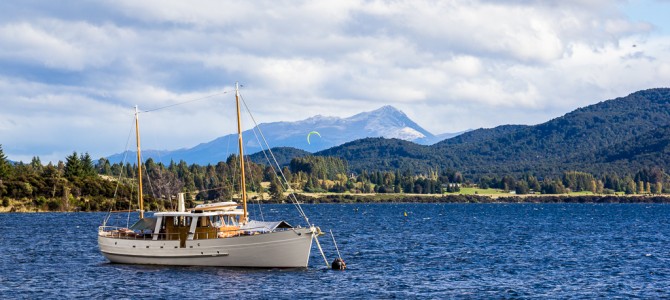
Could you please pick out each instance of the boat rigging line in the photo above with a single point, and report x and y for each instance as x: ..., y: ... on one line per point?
x: 338, y: 263
x: 125, y: 154
x: 288, y: 185
x: 251, y: 174
x: 118, y: 181
x: 320, y: 249
x: 277, y: 170
x: 285, y: 181
x: 188, y: 101
x: 334, y: 242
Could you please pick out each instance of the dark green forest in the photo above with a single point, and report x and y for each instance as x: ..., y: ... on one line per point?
x: 79, y: 184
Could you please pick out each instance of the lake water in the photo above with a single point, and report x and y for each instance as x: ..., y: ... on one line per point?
x: 437, y: 251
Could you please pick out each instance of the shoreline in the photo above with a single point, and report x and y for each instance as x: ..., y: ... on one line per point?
x: 386, y: 198
x: 405, y: 198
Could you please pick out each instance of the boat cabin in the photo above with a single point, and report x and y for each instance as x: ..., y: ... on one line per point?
x: 194, y: 226
x: 201, y: 223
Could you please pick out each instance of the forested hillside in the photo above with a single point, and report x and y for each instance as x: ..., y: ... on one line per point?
x: 374, y: 154
x: 79, y: 184
x: 283, y: 155
x: 629, y: 129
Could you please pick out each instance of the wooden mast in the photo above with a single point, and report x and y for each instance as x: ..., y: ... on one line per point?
x: 139, y: 161
x: 239, y: 142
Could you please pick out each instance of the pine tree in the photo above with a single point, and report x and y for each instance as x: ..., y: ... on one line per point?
x: 36, y: 165
x: 87, y: 167
x: 73, y: 166
x: 521, y: 187
x: 5, y: 166
x: 103, y: 166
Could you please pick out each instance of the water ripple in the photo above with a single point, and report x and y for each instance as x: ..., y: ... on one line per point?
x: 438, y: 251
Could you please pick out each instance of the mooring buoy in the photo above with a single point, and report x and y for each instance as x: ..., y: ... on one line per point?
x: 338, y: 264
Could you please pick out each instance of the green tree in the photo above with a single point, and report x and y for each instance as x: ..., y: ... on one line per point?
x: 87, y: 167
x: 630, y: 187
x: 579, y: 181
x: 507, y: 183
x: 367, y: 188
x: 73, y: 166
x: 287, y: 174
x: 103, y: 166
x: 533, y: 183
x: 320, y: 167
x: 276, y: 189
x: 521, y: 188
x: 657, y: 188
x: 553, y: 187
x: 600, y: 187
x: 640, y: 187
x: 5, y: 166
x: 36, y: 165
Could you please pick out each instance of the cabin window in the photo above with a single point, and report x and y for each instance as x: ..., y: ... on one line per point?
x: 216, y: 221
x: 221, y: 220
x: 182, y: 222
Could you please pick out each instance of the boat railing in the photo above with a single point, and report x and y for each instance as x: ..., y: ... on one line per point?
x: 126, y: 233
x: 129, y: 234
x: 227, y: 233
x: 259, y: 230
x: 215, y: 235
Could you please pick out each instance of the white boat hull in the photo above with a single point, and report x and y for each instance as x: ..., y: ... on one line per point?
x: 282, y: 249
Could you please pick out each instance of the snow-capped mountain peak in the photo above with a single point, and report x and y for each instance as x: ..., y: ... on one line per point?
x: 387, y: 122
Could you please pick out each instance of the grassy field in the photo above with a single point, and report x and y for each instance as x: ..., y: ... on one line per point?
x: 497, y: 192
x: 478, y: 191
x: 582, y: 193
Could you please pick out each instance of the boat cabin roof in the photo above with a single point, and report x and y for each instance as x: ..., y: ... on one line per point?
x: 198, y: 214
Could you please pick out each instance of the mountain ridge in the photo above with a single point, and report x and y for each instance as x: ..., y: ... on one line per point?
x: 571, y: 141
x: 386, y: 121
x: 617, y: 135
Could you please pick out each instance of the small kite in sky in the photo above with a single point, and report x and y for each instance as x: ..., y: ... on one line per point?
x: 310, y: 133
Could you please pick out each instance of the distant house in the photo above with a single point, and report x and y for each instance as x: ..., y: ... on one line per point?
x: 451, y: 185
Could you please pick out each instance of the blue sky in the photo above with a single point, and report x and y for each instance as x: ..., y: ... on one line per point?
x: 71, y: 72
x: 651, y: 11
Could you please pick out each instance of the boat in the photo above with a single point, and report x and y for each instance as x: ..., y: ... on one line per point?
x: 216, y: 234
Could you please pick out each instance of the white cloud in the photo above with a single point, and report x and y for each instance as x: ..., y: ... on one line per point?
x: 72, y: 79
x: 72, y: 46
